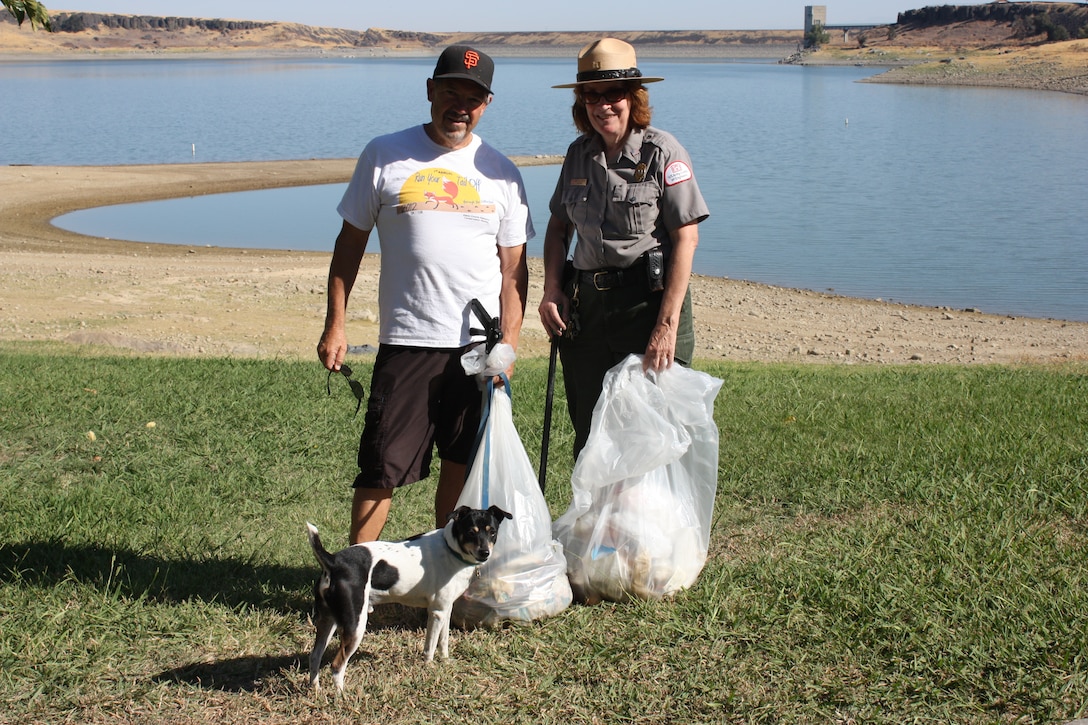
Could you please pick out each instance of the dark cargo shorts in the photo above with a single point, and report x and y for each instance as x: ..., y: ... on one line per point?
x: 419, y: 398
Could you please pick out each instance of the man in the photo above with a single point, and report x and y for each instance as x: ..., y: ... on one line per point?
x: 452, y: 220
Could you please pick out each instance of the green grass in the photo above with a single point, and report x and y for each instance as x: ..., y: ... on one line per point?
x: 891, y: 544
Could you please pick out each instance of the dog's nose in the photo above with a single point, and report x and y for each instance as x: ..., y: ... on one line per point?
x: 483, y: 554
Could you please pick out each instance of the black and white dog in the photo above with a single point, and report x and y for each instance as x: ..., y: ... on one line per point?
x: 430, y: 570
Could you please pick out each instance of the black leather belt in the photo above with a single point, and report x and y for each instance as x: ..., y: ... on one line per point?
x: 612, y: 277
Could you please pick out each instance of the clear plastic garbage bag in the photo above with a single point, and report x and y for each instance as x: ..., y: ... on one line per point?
x: 526, y: 577
x: 643, y: 487
x: 486, y: 365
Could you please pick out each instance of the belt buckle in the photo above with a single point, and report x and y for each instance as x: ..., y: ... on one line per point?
x: 596, y: 284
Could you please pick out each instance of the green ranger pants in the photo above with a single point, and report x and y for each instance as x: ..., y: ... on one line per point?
x: 612, y: 324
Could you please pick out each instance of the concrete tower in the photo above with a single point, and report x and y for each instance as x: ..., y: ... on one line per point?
x: 815, y: 15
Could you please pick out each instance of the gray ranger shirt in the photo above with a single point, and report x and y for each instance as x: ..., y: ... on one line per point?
x: 625, y: 207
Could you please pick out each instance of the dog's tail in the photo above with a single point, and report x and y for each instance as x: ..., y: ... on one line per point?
x: 324, y: 558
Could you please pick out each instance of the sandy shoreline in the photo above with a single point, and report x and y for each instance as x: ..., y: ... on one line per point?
x: 62, y: 287
x: 1055, y: 67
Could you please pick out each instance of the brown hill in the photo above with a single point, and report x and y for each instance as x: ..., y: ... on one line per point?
x: 996, y: 23
x: 978, y: 27
x: 111, y: 33
x: 1040, y: 46
x: 945, y: 26
x: 1020, y: 44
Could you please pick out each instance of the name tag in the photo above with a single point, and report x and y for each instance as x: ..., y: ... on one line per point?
x: 578, y: 182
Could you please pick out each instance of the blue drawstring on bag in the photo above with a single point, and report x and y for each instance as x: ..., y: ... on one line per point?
x: 483, y: 436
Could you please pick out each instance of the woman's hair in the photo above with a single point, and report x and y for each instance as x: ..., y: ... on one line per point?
x: 637, y: 96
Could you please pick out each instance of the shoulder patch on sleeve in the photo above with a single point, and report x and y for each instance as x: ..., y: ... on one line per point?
x: 677, y: 172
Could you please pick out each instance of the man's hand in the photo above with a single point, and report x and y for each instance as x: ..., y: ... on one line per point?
x: 332, y: 348
x: 346, y: 257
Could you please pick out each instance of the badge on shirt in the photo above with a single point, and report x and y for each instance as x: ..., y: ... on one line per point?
x: 578, y: 182
x: 677, y: 172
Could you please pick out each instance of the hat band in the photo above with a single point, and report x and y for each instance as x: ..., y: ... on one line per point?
x: 608, y: 75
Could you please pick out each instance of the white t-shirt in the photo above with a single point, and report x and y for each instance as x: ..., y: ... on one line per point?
x: 441, y: 216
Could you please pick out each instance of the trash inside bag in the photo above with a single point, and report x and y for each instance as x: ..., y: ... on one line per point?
x: 638, y: 525
x: 526, y: 577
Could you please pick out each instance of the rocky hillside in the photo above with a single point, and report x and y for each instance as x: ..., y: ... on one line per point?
x: 100, y: 32
x: 1026, y: 21
x: 1039, y: 46
x: 949, y: 26
x: 981, y: 26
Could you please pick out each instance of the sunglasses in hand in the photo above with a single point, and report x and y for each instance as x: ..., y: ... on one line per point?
x: 356, y: 387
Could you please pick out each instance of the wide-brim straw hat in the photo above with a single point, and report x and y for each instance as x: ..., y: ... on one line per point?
x: 608, y: 59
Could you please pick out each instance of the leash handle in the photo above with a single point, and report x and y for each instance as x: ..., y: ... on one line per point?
x: 492, y: 329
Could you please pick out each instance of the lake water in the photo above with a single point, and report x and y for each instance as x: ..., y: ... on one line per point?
x: 953, y: 197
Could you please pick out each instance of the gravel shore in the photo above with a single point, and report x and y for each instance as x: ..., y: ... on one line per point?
x: 1061, y: 67
x: 66, y: 288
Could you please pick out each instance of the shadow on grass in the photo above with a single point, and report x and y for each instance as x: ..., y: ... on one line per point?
x: 248, y: 674
x: 230, y: 582
x: 242, y: 674
x: 227, y: 582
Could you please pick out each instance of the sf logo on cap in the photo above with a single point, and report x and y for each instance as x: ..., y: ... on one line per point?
x: 472, y: 59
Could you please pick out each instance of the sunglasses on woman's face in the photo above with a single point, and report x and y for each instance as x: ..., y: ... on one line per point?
x: 610, y: 95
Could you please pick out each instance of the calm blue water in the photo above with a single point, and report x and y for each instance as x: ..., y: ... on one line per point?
x: 940, y: 196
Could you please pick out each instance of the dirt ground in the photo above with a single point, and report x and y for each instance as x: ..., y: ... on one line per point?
x: 182, y: 300
x: 1052, y: 67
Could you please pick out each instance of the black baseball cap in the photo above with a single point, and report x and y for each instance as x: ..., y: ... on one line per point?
x: 461, y: 61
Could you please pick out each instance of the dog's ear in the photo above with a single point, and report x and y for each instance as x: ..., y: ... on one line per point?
x: 499, y: 514
x: 459, y: 512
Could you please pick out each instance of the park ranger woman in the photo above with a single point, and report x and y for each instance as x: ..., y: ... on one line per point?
x: 629, y: 191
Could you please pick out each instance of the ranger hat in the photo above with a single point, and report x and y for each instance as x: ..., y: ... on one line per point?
x: 461, y: 61
x: 605, y: 60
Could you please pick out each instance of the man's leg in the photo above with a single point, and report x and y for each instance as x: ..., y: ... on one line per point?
x: 369, y: 511
x: 451, y: 479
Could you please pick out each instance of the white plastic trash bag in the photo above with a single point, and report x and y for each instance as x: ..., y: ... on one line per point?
x: 643, y: 486
x: 526, y: 578
x: 486, y: 365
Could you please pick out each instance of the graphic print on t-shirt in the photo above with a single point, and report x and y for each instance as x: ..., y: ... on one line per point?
x: 438, y: 189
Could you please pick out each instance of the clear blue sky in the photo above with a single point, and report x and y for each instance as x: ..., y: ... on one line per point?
x: 507, y: 15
